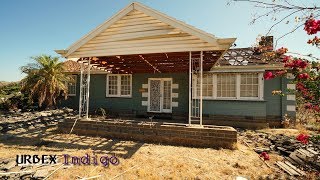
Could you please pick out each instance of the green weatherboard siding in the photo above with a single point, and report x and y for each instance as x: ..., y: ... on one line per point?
x: 270, y: 106
x: 273, y: 102
x: 98, y: 93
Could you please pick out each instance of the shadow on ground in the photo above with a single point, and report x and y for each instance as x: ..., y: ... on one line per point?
x: 47, y: 138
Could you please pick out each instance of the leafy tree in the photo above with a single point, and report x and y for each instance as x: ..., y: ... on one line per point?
x: 45, y: 80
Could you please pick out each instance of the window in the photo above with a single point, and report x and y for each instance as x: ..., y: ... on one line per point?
x: 249, y: 86
x: 226, y: 85
x: 207, y: 85
x: 119, y: 85
x: 125, y: 85
x: 113, y: 85
x: 230, y: 86
x: 166, y: 94
x: 72, y: 85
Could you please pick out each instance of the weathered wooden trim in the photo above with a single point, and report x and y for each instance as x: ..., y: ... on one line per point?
x: 215, y: 70
x: 291, y: 97
x: 141, y: 43
x: 175, y: 95
x: 144, y: 103
x: 175, y: 104
x: 153, y: 46
x: 290, y: 76
x: 291, y: 86
x: 145, y: 86
x: 249, y: 67
x: 99, y: 29
x: 175, y: 86
x: 137, y: 14
x: 291, y: 108
x: 166, y: 50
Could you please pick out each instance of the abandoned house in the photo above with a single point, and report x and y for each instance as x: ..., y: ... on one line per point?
x: 144, y: 64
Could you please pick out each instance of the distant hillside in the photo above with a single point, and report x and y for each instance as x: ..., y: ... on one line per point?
x: 4, y: 83
x: 8, y: 89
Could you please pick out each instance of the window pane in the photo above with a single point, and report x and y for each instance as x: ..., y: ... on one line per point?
x: 72, y: 85
x: 249, y: 86
x: 207, y: 85
x: 255, y: 80
x: 226, y: 85
x: 113, y: 85
x: 125, y: 85
x: 166, y: 94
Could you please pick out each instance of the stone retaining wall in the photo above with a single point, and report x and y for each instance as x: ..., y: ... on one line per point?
x: 248, y: 122
x: 156, y: 132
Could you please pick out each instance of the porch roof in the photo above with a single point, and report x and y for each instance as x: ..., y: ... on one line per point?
x: 152, y: 63
x: 141, y: 39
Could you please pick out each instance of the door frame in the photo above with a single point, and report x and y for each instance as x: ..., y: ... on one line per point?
x: 162, y: 95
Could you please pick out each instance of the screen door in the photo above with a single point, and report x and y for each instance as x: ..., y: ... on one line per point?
x: 160, y: 91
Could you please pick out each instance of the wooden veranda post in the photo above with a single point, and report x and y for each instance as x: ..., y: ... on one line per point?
x: 201, y: 78
x: 195, y: 86
x: 88, y: 90
x: 190, y: 88
x: 84, y: 89
x: 80, y: 92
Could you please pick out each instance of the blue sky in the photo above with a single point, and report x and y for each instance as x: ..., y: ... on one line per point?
x: 35, y: 27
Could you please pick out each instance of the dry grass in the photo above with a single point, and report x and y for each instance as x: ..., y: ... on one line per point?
x: 287, y: 132
x: 157, y: 162
x: 306, y: 118
x: 139, y: 160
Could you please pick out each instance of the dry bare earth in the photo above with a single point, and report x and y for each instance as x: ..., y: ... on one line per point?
x: 139, y: 160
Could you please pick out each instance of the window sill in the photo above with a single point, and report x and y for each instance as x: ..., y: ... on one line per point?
x: 119, y: 97
x: 250, y: 100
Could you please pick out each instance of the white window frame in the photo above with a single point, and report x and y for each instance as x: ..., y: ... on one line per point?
x: 75, y: 84
x: 260, y: 87
x: 238, y: 84
x: 216, y: 84
x: 118, y: 86
x: 194, y: 92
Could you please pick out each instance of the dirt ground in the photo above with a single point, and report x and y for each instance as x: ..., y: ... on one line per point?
x: 139, y: 160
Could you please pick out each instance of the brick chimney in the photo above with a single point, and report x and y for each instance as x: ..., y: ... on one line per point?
x: 267, y: 41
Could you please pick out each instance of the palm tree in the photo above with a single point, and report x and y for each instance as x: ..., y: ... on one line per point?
x: 45, y: 80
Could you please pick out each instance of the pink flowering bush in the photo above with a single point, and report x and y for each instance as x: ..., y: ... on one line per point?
x: 312, y: 26
x: 303, y: 138
x: 306, y: 73
x: 265, y: 156
x: 306, y: 139
x: 268, y: 75
x: 307, y: 80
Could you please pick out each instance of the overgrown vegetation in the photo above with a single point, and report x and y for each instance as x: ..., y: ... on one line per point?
x: 44, y: 84
x: 45, y: 81
x: 11, y: 97
x: 8, y: 88
x: 305, y: 69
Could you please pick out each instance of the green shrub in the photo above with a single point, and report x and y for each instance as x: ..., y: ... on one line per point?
x: 12, y: 99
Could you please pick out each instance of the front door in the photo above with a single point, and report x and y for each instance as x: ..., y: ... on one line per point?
x: 160, y: 95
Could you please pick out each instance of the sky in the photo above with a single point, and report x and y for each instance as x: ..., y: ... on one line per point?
x: 35, y: 27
